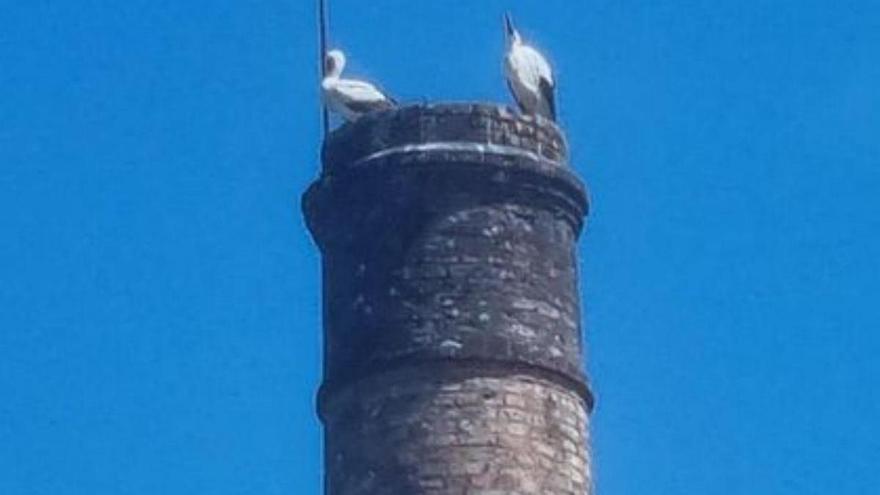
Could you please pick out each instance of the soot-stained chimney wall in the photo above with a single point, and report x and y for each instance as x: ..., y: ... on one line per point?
x: 453, y: 352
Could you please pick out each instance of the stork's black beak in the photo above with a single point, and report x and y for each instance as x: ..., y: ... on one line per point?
x: 508, y: 25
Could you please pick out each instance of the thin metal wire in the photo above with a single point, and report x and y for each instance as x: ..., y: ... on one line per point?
x: 322, y: 47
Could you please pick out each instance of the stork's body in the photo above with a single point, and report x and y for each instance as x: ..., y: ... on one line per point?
x: 350, y: 98
x: 529, y: 76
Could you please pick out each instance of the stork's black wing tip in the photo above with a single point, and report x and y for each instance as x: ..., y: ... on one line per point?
x: 548, y: 93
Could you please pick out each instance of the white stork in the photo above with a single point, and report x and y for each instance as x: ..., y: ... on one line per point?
x: 529, y: 76
x: 349, y: 97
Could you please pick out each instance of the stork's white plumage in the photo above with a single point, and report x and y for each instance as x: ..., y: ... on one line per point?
x: 529, y: 76
x: 350, y: 98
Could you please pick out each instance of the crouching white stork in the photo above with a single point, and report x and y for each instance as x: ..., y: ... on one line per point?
x: 350, y: 98
x: 529, y: 76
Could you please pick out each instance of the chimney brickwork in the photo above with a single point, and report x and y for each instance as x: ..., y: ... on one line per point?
x: 453, y: 351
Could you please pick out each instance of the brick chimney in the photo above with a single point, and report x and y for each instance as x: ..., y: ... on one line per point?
x: 452, y: 343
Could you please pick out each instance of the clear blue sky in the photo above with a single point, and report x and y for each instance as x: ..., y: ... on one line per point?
x: 159, y: 306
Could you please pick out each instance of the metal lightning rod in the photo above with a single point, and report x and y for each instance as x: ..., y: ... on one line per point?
x: 322, y: 46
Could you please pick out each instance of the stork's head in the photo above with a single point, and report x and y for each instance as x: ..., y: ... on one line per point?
x: 334, y: 62
x: 510, y: 32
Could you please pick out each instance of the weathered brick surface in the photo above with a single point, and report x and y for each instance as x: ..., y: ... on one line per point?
x: 456, y: 122
x: 448, y: 238
x: 415, y: 431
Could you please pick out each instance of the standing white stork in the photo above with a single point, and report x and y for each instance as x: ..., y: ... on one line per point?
x: 350, y: 98
x: 528, y: 74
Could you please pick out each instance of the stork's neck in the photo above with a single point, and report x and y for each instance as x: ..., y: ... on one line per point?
x: 333, y: 73
x: 515, y: 39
